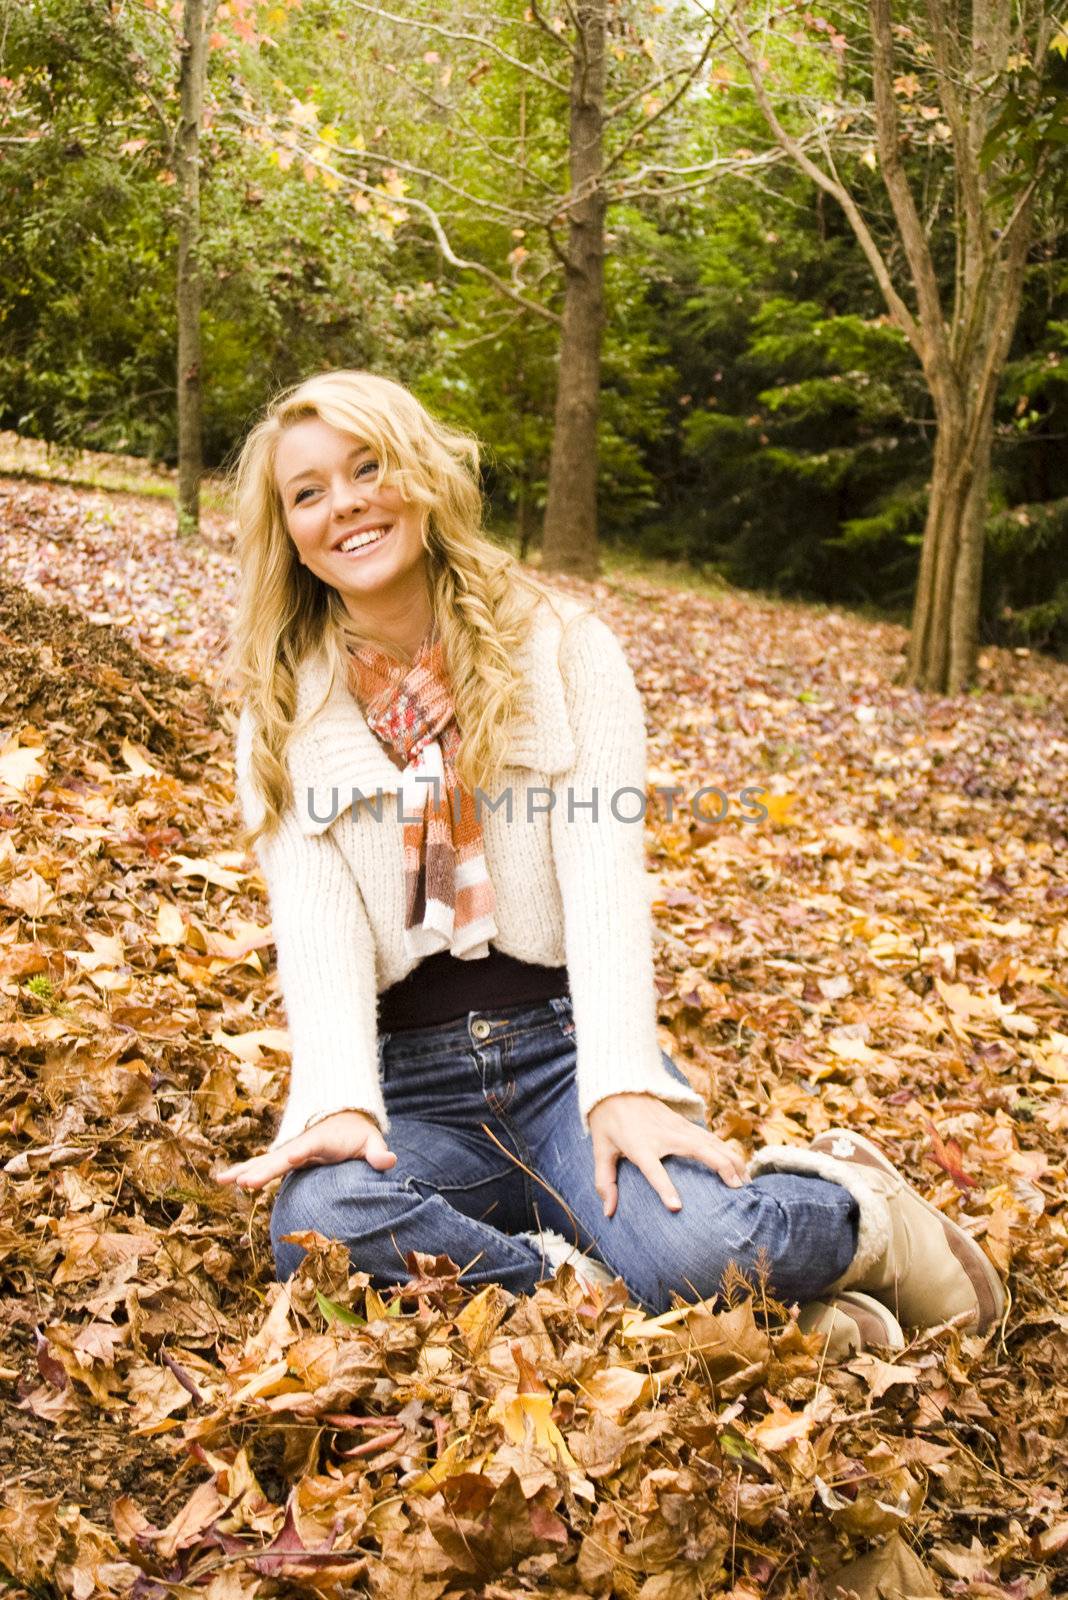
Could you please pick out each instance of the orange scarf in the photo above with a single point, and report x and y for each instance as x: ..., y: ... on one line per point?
x: 449, y: 899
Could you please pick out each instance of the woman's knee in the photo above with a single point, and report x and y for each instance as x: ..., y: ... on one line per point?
x: 792, y: 1241
x: 721, y: 1235
x: 337, y: 1200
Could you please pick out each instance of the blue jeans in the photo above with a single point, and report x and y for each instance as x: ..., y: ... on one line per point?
x: 457, y: 1191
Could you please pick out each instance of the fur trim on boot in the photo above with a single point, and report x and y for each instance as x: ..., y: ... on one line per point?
x: 556, y: 1250
x: 873, y: 1227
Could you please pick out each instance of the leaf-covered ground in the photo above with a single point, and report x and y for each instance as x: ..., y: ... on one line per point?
x: 886, y: 949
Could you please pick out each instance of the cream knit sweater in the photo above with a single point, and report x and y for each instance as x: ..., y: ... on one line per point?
x: 571, y: 889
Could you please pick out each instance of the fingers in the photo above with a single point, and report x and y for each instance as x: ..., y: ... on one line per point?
x: 655, y: 1172
x: 722, y: 1159
x: 604, y: 1174
x: 713, y: 1152
x: 263, y: 1169
x: 307, y: 1149
x: 378, y: 1155
x: 258, y: 1171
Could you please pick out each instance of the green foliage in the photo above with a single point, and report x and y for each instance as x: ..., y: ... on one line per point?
x: 760, y: 418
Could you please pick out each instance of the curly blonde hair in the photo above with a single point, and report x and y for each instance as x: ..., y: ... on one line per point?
x: 482, y: 599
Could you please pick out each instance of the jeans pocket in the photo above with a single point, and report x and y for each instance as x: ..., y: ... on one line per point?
x: 383, y: 1069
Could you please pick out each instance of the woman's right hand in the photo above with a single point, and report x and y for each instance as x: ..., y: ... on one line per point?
x: 344, y: 1136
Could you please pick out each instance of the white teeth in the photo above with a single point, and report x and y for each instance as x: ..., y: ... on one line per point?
x: 357, y: 541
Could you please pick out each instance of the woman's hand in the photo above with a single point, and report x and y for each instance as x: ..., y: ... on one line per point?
x: 342, y: 1137
x: 643, y: 1128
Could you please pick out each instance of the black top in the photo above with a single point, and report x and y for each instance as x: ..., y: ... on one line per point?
x: 441, y: 988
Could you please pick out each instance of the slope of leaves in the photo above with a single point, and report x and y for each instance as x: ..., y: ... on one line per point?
x: 884, y: 948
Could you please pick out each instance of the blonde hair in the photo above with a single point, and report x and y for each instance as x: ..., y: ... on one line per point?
x: 482, y: 599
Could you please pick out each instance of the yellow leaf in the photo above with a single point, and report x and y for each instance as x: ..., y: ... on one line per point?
x: 614, y: 1389
x: 19, y: 765
x: 110, y: 981
x: 962, y: 1002
x: 250, y: 1046
x: 636, y: 1325
x: 779, y: 807
x: 373, y: 1304
x: 851, y: 1050
x: 535, y: 1410
x: 267, y: 1381
x: 246, y: 937
x: 782, y: 1427
x: 1051, y: 1063
x: 221, y: 876
x: 107, y: 951
x: 170, y: 924
x: 137, y: 761
x: 32, y: 894
x: 882, y: 1375
x: 450, y: 1462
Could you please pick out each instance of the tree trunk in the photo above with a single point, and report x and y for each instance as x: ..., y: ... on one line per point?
x: 569, y: 540
x: 944, y: 641
x: 194, y: 52
x: 523, y: 526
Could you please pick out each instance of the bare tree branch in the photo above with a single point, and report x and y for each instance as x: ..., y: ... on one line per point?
x: 506, y: 214
x: 557, y: 38
x: 667, y: 106
x: 913, y: 239
x: 468, y: 38
x: 897, y: 306
x: 441, y: 238
x: 475, y: 136
x: 709, y: 172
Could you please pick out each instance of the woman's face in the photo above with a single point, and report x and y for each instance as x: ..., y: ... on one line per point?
x: 364, y: 542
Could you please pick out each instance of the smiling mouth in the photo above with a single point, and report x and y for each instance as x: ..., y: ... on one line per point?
x: 357, y: 543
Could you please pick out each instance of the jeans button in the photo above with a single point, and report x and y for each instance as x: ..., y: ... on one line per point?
x: 480, y: 1028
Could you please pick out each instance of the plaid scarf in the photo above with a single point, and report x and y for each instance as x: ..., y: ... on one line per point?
x: 449, y: 899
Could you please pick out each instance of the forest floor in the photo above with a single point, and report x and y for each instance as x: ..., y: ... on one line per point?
x: 886, y: 949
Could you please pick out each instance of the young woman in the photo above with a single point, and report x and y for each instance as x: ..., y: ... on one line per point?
x: 441, y: 765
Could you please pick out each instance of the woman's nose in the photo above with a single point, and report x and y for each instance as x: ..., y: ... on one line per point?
x: 347, y: 496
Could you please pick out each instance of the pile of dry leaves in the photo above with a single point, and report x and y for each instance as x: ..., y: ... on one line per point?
x: 885, y: 948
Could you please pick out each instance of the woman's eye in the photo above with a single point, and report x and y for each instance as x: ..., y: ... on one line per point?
x: 363, y: 467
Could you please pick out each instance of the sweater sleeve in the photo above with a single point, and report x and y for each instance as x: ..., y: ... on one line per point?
x: 600, y: 865
x: 326, y: 965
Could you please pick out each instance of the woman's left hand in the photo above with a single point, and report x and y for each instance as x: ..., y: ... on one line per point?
x: 643, y: 1128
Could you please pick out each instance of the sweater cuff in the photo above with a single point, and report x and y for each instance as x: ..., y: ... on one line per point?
x: 298, y: 1119
x: 657, y: 1082
x: 290, y: 1126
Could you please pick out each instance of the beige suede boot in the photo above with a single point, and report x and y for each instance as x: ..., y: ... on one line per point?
x: 910, y: 1256
x: 850, y: 1323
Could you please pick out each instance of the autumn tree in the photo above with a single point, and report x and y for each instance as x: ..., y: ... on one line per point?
x: 938, y: 74
x: 527, y: 216
x: 166, y: 53
x: 569, y: 539
x: 197, y: 17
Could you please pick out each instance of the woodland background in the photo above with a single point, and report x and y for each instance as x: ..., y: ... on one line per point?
x: 887, y: 951
x: 388, y: 187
